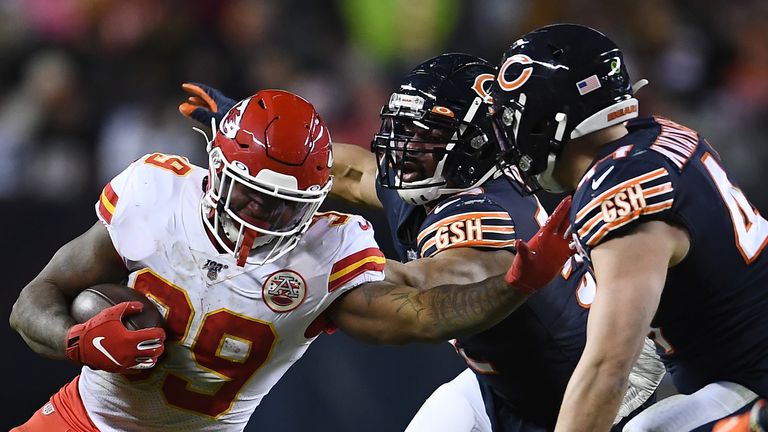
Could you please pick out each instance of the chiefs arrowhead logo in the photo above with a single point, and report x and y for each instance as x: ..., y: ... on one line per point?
x: 284, y: 290
x: 231, y: 123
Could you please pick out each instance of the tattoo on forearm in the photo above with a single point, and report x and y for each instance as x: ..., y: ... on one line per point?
x: 464, y: 306
x: 405, y: 300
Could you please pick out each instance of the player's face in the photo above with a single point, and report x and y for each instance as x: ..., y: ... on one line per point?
x: 264, y: 211
x: 420, y: 155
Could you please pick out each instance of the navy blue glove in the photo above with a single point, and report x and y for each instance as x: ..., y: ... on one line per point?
x: 205, y: 103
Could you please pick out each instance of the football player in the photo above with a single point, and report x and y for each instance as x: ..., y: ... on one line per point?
x: 446, y: 199
x: 449, y: 207
x: 675, y: 246
x: 246, y: 273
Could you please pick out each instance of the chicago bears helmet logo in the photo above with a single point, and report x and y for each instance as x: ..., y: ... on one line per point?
x: 479, y: 88
x: 521, y: 78
x: 284, y: 290
x: 231, y: 123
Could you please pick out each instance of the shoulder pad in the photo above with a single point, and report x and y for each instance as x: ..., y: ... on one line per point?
x: 138, y: 202
x: 466, y: 220
x: 620, y: 194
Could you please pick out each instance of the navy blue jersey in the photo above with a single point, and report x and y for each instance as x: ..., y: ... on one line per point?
x: 712, y: 320
x: 527, y: 359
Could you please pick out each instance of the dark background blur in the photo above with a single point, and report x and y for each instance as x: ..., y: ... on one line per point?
x: 87, y: 86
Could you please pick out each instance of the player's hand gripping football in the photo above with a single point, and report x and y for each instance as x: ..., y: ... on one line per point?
x: 103, y: 342
x: 539, y: 260
x: 205, y: 103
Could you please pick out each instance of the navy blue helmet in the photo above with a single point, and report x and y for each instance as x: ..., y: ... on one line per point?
x: 436, y: 136
x: 554, y: 84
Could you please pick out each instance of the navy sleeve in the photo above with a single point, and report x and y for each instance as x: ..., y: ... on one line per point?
x: 620, y: 195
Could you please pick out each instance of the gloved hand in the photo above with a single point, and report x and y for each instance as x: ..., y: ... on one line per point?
x: 205, y: 103
x: 539, y: 260
x: 103, y: 342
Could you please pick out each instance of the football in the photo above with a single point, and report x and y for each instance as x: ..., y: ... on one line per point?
x: 99, y: 297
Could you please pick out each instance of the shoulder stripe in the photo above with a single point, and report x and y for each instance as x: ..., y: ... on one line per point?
x: 643, y: 178
x: 108, y: 202
x: 618, y: 223
x: 651, y: 207
x: 463, y: 216
x: 354, y: 265
x: 676, y: 142
x: 498, y: 229
x: 498, y: 244
x: 658, y: 190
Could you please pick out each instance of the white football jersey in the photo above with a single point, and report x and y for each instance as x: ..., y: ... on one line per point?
x: 232, y: 332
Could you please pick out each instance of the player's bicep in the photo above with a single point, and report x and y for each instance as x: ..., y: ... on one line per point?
x: 354, y: 175
x: 86, y: 260
x: 630, y: 281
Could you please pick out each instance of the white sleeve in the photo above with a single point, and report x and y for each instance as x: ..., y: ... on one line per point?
x: 135, y: 206
x: 358, y: 259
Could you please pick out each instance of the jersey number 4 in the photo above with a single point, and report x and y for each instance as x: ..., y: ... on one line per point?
x: 227, y: 344
x: 749, y: 228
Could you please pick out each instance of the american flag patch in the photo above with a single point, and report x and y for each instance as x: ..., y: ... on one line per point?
x: 587, y: 85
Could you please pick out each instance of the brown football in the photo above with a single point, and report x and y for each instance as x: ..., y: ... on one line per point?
x: 99, y: 297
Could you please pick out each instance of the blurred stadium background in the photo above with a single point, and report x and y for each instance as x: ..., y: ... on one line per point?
x: 87, y: 86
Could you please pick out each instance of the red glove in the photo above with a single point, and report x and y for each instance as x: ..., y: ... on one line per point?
x: 538, y: 261
x: 103, y: 342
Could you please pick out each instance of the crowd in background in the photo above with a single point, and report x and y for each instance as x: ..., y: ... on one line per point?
x: 86, y: 86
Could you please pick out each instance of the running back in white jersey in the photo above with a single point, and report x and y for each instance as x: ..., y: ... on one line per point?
x: 232, y: 332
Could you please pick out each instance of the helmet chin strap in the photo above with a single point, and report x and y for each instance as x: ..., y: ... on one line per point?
x: 245, y: 247
x: 248, y: 240
x: 545, y: 178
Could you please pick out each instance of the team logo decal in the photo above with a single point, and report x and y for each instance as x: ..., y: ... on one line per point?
x: 521, y: 78
x: 231, y: 123
x: 284, y: 290
x: 479, y: 87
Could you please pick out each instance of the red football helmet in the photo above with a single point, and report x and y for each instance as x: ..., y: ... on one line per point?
x: 269, y: 171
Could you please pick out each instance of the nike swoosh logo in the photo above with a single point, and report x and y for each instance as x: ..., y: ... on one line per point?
x: 596, y: 182
x: 97, y: 343
x: 444, y: 205
x: 364, y: 226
